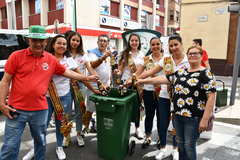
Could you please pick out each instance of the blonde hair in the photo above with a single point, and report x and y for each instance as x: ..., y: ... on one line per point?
x: 199, y: 48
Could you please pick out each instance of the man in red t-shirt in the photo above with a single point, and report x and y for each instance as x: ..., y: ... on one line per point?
x: 29, y: 72
x: 205, y: 62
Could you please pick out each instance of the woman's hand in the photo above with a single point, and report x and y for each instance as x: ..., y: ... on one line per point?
x: 203, y: 125
x: 140, y: 82
x: 96, y: 91
x: 117, y: 71
x: 93, y: 78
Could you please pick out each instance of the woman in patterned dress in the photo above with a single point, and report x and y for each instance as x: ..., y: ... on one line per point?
x: 167, y: 65
x: 194, y: 91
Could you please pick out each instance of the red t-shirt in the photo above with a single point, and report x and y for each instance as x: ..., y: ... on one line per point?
x: 204, y: 58
x: 30, y: 78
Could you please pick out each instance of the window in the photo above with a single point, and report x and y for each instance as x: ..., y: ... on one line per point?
x: 144, y: 16
x: 157, y: 20
x: 105, y: 7
x: 171, y: 15
x: 37, y: 6
x: 127, y: 12
x: 177, y: 16
x: 59, y: 4
x: 10, y: 43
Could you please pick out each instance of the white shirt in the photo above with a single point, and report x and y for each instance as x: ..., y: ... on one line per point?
x: 62, y: 83
x: 182, y: 65
x: 103, y: 70
x: 138, y: 59
x: 81, y: 62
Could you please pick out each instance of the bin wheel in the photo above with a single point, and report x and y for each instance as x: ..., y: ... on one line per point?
x: 131, y: 148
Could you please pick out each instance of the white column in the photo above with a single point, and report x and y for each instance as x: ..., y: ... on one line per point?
x: 44, y: 12
x: 68, y: 11
x: 154, y: 14
x: 0, y: 19
x: 139, y: 12
x: 121, y: 12
x: 25, y: 13
x: 166, y: 17
x: 11, y: 14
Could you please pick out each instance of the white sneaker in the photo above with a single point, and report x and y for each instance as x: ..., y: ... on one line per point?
x: 60, y: 153
x: 29, y: 155
x: 175, y: 154
x: 161, y: 154
x: 138, y: 134
x: 80, y: 141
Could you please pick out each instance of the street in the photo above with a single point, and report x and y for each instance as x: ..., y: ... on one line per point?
x: 224, y: 144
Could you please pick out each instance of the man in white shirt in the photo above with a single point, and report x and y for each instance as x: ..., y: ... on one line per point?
x: 100, y: 60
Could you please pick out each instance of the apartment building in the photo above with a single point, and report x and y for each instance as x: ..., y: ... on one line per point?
x: 94, y: 17
x: 211, y: 21
x: 174, y: 13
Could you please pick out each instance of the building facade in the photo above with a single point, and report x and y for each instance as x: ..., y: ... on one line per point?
x: 174, y: 13
x: 93, y: 18
x: 211, y: 21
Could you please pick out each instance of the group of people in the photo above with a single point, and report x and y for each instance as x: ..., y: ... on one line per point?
x: 183, y: 80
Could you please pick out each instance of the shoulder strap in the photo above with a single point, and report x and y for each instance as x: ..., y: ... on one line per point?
x: 57, y: 104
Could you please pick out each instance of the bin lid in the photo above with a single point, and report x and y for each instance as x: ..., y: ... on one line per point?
x: 100, y: 98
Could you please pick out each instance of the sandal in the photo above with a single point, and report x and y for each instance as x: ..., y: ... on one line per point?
x: 146, y: 142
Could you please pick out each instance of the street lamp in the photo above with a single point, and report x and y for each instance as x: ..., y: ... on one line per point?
x: 235, y: 8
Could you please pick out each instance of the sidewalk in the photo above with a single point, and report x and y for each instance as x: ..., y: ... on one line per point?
x: 225, y: 141
x: 224, y: 144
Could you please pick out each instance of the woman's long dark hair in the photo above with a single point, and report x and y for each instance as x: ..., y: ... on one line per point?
x: 125, y: 53
x: 50, y: 44
x: 80, y: 47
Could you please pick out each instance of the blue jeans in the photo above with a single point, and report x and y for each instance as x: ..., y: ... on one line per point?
x: 151, y: 105
x: 163, y: 122
x: 67, y: 104
x: 187, y: 136
x: 14, y: 128
x: 77, y: 110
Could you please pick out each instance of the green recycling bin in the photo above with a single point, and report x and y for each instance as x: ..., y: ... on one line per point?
x: 221, y: 99
x: 114, y: 114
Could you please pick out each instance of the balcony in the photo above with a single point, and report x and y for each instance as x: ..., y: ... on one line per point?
x: 34, y: 19
x: 55, y: 14
x: 4, y: 24
x: 19, y: 22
